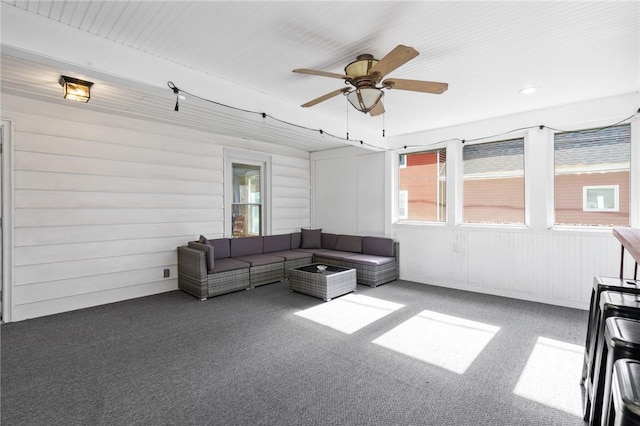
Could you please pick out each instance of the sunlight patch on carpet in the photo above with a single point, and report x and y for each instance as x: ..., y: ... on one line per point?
x: 552, y: 375
x: 349, y: 313
x: 448, y: 342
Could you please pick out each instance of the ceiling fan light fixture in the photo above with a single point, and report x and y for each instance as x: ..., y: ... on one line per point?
x: 364, y: 99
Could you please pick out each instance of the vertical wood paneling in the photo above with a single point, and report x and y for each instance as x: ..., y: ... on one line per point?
x: 370, y: 194
x: 335, y: 198
x: 290, y: 194
x: 548, y: 266
x: 349, y: 193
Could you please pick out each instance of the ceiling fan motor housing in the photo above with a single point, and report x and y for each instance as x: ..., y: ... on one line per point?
x: 361, y: 66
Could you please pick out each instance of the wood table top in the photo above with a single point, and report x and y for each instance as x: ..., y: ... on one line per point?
x: 630, y: 240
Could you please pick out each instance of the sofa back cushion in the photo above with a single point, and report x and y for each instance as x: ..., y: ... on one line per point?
x: 329, y: 241
x: 296, y: 239
x: 349, y: 243
x: 208, y: 250
x: 220, y: 247
x: 311, y: 238
x: 377, y: 246
x: 246, y: 246
x: 273, y: 243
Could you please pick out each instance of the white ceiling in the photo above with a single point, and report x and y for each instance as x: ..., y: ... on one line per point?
x: 241, y: 53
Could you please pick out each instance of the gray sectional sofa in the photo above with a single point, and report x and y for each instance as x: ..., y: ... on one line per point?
x: 208, y: 268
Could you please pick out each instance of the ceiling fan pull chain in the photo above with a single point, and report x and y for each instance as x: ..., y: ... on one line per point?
x: 347, y: 105
x: 383, y: 126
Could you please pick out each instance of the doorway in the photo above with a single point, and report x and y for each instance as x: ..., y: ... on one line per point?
x: 5, y: 192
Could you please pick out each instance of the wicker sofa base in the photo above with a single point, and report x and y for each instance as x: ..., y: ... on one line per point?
x: 295, y: 263
x: 193, y: 277
x: 370, y: 275
x: 374, y: 276
x: 267, y: 274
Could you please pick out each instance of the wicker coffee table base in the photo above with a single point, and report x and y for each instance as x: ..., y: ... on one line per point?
x: 324, y: 286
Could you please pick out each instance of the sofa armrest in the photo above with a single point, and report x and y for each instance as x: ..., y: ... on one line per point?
x: 396, y: 251
x: 192, y: 271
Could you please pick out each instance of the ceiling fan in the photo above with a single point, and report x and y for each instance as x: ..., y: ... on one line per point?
x: 364, y: 80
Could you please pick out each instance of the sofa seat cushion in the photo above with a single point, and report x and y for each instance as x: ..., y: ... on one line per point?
x: 292, y: 254
x: 369, y: 259
x: 229, y: 264
x: 260, y: 259
x: 335, y: 254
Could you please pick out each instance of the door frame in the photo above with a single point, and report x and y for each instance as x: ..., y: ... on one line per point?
x: 6, y: 127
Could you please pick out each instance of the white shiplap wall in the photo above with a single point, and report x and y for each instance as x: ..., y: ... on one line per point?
x: 99, y: 209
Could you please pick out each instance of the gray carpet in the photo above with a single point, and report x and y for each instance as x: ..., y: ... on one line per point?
x: 247, y: 359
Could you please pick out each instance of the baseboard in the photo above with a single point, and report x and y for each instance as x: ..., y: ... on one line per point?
x: 567, y: 303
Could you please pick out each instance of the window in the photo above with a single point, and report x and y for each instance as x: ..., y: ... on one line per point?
x: 247, y: 189
x: 494, y: 182
x: 422, y: 186
x: 247, y: 200
x: 592, y: 173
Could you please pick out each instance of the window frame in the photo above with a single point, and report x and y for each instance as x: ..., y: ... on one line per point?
x: 233, y: 156
x: 398, y: 220
x: 460, y: 214
x: 634, y: 178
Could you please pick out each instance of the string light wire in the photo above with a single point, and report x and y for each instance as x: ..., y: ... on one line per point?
x: 540, y: 126
x: 264, y: 116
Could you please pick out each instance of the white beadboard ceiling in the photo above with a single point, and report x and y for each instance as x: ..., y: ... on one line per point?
x: 241, y: 53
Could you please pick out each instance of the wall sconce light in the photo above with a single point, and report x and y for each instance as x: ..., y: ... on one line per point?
x: 75, y: 89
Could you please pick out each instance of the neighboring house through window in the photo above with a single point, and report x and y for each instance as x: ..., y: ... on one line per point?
x: 422, y: 186
x: 592, y: 176
x: 494, y: 182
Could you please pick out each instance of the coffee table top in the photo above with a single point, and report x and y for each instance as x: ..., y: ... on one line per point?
x: 313, y: 268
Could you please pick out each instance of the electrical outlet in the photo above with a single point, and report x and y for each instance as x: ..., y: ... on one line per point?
x: 166, y: 273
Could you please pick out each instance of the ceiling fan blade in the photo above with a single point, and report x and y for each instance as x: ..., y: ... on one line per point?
x: 377, y: 110
x: 394, y: 59
x: 415, y: 85
x: 324, y: 97
x: 320, y: 73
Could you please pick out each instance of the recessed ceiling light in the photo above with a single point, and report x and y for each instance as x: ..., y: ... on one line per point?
x: 528, y: 90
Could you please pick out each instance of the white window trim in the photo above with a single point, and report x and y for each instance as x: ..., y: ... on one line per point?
x: 255, y: 159
x: 403, y: 196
